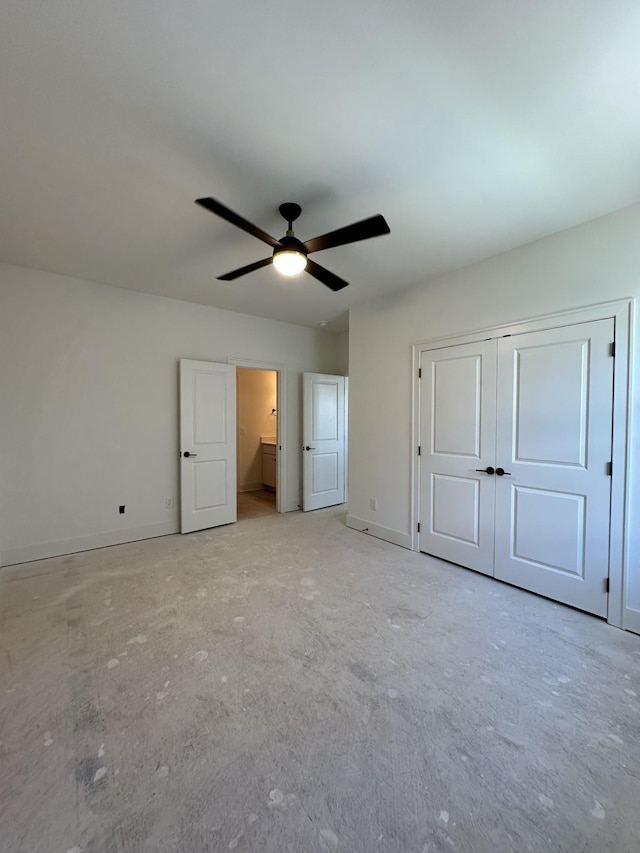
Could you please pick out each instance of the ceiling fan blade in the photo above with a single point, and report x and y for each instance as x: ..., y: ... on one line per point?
x: 375, y: 226
x: 220, y: 210
x: 244, y: 270
x: 332, y: 281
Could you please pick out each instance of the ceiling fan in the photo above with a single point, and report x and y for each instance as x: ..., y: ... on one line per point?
x: 290, y: 255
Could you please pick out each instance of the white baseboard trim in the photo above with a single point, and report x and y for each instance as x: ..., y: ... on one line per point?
x: 44, y: 550
x: 631, y: 620
x: 386, y: 533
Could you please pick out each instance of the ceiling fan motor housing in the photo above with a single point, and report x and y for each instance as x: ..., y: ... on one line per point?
x: 289, y: 243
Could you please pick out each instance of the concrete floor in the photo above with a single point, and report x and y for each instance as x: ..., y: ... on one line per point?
x: 286, y: 684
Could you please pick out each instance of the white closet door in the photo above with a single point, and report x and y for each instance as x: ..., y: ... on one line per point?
x: 555, y: 398
x: 457, y: 429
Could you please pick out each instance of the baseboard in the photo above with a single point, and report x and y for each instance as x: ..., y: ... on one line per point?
x: 386, y: 533
x: 44, y: 550
x: 631, y: 620
x: 250, y: 487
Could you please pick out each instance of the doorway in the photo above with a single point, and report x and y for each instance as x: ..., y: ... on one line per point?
x: 257, y: 442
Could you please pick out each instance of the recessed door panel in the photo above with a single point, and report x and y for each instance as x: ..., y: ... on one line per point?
x: 456, y: 398
x: 325, y: 411
x: 561, y: 517
x: 550, y: 403
x: 325, y: 472
x: 455, y: 508
x: 209, y: 407
x: 209, y: 484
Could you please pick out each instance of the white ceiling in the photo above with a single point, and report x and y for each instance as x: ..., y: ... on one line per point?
x: 473, y: 127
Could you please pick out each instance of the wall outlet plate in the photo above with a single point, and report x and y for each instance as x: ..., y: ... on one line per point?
x: 168, y: 503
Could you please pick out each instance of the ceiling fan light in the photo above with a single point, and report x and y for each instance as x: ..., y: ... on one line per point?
x: 290, y: 262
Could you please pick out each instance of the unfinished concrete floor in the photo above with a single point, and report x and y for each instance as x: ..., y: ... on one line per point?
x: 286, y: 684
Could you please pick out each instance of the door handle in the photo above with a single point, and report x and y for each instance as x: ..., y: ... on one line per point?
x: 187, y: 454
x: 500, y: 472
x: 308, y: 448
x: 487, y: 470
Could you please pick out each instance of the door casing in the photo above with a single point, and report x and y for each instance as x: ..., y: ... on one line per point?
x: 622, y: 312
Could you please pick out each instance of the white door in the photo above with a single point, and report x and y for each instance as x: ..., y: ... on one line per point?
x: 457, y: 426
x: 535, y: 412
x: 208, y: 444
x: 555, y: 399
x: 323, y: 420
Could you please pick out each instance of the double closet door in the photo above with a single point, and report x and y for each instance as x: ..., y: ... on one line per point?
x: 515, y: 436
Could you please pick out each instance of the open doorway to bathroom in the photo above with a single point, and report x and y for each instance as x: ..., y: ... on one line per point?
x: 257, y: 441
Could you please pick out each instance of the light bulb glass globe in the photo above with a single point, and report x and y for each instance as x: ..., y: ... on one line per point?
x: 289, y: 263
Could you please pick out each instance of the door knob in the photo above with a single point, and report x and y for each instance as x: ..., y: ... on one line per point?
x: 501, y: 472
x: 487, y: 470
x: 309, y: 448
x: 187, y: 454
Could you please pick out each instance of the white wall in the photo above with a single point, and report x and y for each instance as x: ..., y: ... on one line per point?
x: 257, y: 397
x: 595, y: 262
x: 89, y: 405
x: 342, y: 351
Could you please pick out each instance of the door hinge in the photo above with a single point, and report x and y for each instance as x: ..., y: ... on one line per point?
x: 419, y: 450
x: 419, y: 373
x: 418, y: 527
x: 609, y: 469
x: 606, y: 584
x: 612, y: 349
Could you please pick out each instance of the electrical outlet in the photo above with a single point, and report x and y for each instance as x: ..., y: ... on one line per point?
x: 373, y: 504
x: 243, y: 431
x: 168, y: 503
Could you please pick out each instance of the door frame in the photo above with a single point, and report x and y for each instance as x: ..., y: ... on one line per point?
x: 281, y: 420
x: 621, y: 311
